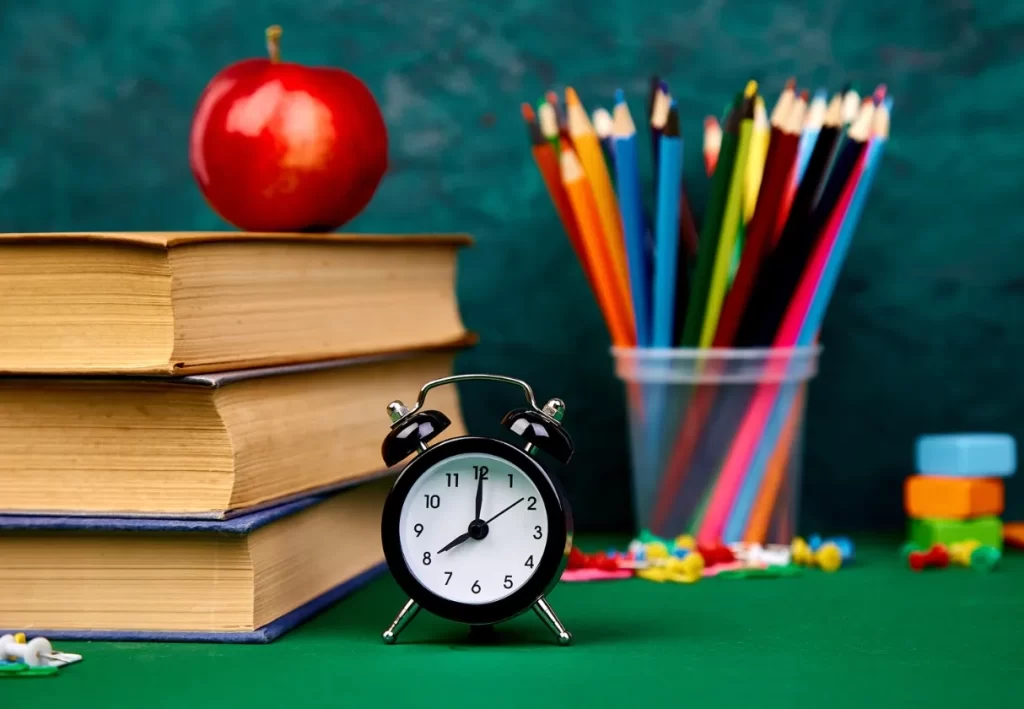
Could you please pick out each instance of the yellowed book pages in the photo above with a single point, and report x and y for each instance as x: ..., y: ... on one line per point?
x: 205, y: 445
x: 176, y: 303
x: 189, y: 581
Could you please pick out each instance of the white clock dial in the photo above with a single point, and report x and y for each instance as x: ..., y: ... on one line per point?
x: 439, y: 509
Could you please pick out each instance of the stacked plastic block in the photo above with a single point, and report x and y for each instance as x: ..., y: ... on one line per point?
x: 957, y: 493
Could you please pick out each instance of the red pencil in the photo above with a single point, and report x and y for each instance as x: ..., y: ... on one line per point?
x: 547, y: 163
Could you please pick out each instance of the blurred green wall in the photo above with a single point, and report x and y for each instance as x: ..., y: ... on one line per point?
x: 925, y: 327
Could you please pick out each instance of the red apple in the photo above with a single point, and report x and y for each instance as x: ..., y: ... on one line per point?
x: 277, y: 146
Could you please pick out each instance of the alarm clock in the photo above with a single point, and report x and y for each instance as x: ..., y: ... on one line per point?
x: 474, y: 529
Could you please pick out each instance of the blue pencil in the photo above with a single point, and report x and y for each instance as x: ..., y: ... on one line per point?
x: 627, y: 182
x: 666, y: 239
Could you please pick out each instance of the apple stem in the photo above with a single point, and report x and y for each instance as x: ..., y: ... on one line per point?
x: 274, y: 43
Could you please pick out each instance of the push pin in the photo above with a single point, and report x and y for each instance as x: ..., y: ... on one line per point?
x: 937, y: 557
x: 827, y: 558
x: 37, y: 652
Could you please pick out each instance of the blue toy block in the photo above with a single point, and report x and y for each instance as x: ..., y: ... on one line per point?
x: 966, y: 455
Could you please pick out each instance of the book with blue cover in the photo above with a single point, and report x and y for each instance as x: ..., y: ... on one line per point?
x: 247, y: 579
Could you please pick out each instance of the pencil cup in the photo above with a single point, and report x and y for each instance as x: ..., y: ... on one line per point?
x: 716, y: 437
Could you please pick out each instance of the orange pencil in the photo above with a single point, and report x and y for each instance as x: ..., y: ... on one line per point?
x: 547, y: 163
x: 584, y: 206
x: 588, y: 149
x: 775, y: 474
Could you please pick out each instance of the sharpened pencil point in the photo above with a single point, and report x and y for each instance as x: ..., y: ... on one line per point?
x: 663, y: 85
x: 571, y: 98
x: 527, y: 111
x: 751, y: 89
x: 805, y: 94
x: 620, y: 96
x: 791, y: 83
x: 879, y: 94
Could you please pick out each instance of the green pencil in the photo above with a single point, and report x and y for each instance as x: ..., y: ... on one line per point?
x: 709, y: 234
x: 730, y: 222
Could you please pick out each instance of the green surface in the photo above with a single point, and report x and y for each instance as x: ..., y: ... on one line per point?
x: 875, y: 634
x: 98, y: 98
x: 926, y: 531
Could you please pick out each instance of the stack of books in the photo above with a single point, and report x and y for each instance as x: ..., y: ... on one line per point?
x: 190, y: 423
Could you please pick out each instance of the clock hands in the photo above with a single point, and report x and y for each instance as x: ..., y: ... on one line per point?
x: 477, y: 528
x: 505, y: 510
x: 479, y: 493
x: 455, y: 542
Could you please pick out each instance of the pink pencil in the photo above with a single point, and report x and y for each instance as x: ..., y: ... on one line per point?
x: 750, y: 430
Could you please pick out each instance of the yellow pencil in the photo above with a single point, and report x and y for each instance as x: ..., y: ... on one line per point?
x: 730, y: 223
x: 588, y: 149
x: 755, y: 159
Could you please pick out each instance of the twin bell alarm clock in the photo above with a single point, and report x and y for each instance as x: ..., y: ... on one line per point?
x: 474, y: 529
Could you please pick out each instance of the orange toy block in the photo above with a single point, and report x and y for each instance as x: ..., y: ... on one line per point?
x: 952, y: 498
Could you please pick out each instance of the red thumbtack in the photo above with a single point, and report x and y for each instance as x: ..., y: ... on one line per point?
x: 936, y: 557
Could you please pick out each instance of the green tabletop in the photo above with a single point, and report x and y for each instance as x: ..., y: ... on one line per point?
x: 872, y: 635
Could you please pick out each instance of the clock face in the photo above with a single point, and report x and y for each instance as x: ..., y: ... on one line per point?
x: 463, y: 557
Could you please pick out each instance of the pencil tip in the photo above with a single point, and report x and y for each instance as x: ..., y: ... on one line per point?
x: 821, y: 95
x: 620, y: 96
x: 570, y: 96
x: 663, y: 85
x: 879, y: 94
x: 791, y: 83
x: 527, y: 111
x: 552, y: 98
x: 751, y: 89
x: 805, y: 94
x: 887, y: 102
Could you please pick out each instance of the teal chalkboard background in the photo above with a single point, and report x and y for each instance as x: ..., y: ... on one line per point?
x: 924, y: 333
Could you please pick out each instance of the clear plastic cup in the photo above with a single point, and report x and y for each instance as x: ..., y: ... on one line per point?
x: 716, y: 439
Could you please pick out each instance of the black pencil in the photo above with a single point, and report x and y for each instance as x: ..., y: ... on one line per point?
x: 777, y: 279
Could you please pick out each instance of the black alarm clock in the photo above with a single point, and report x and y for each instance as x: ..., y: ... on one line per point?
x: 475, y: 529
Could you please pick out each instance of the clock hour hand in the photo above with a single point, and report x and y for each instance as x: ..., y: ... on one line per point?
x: 455, y: 542
x: 505, y: 510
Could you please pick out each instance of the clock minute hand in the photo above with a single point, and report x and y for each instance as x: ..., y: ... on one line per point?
x: 455, y: 542
x: 505, y: 510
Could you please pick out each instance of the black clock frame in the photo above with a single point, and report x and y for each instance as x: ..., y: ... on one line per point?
x: 549, y: 568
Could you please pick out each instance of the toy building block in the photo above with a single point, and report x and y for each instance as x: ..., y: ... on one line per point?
x: 952, y: 498
x: 928, y: 531
x: 966, y: 455
x: 1013, y: 534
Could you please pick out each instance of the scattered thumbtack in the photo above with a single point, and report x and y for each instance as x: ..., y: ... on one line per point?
x: 935, y: 558
x: 960, y: 552
x: 827, y: 558
x: 37, y: 652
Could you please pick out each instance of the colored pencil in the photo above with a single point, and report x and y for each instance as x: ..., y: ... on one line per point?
x: 602, y: 121
x: 712, y: 227
x: 657, y: 120
x: 781, y: 153
x: 759, y: 138
x: 799, y: 329
x: 628, y: 183
x: 712, y: 144
x: 808, y: 138
x: 547, y: 163
x: 776, y: 280
x: 666, y: 260
x: 548, y: 121
x: 581, y: 196
x: 588, y: 149
x: 730, y: 222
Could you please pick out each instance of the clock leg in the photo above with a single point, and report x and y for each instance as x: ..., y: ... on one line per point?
x: 544, y: 611
x: 408, y: 612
